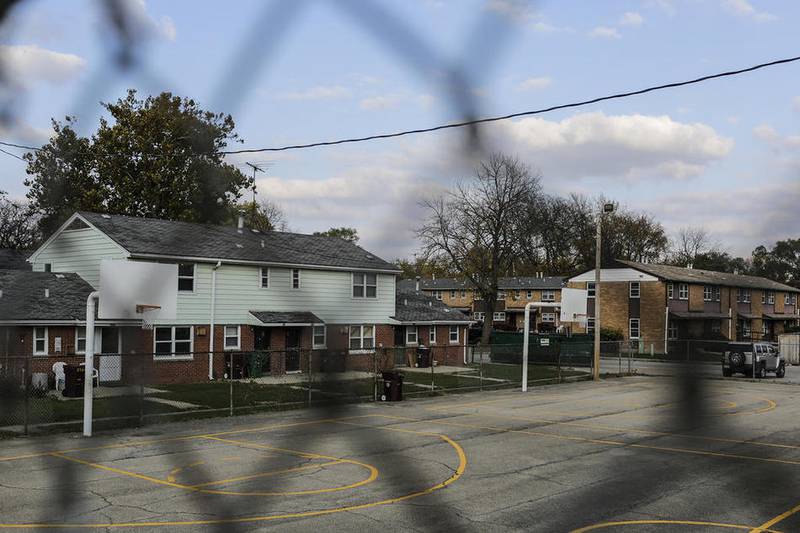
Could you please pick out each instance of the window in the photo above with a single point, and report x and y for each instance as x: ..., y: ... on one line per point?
x: 763, y: 297
x: 39, y: 341
x: 716, y: 326
x: 463, y: 294
x: 550, y: 318
x: 320, y: 340
x: 746, y: 296
x: 794, y: 299
x: 295, y: 278
x: 738, y: 295
x: 590, y: 292
x: 186, y: 277
x: 412, y: 335
x: 438, y: 294
x: 452, y: 295
x: 672, y: 331
x: 264, y: 278
x: 529, y: 295
x: 362, y: 337
x: 501, y: 295
x: 365, y: 285
x: 432, y: 335
x: 683, y: 291
x: 716, y: 294
x: 590, y: 326
x: 499, y: 316
x: 634, y: 289
x: 633, y: 328
x: 787, y: 299
x: 232, y: 335
x: 453, y: 334
x: 479, y: 315
x: 764, y: 328
x: 80, y: 340
x: 746, y: 328
x: 548, y: 296
x: 48, y: 267
x: 516, y: 294
x: 770, y: 297
x: 173, y: 342
x: 670, y: 291
x: 707, y: 293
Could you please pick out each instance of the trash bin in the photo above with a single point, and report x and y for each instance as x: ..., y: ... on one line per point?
x: 423, y: 357
x: 74, y: 376
x: 392, y: 387
x: 257, y: 364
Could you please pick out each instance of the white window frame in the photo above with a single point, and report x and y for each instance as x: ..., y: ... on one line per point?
x: 717, y: 293
x: 262, y: 276
x: 638, y: 292
x: 479, y: 315
x: 591, y: 290
x: 501, y: 295
x: 412, y: 335
x: 763, y: 297
x: 78, y: 338
x: 437, y: 295
x: 516, y: 294
x: 225, y: 338
x: 193, y: 277
x: 787, y: 300
x: 638, y: 328
x: 548, y: 318
x: 450, y: 335
x: 529, y: 295
x: 548, y: 295
x: 670, y: 291
x: 498, y: 316
x: 590, y: 325
x: 315, y: 345
x: 770, y: 297
x: 747, y: 328
x: 361, y: 338
x: 293, y: 277
x: 672, y: 331
x: 172, y: 356
x: 364, y: 285
x: 432, y: 335
x: 683, y: 291
x: 45, y: 338
x: 708, y: 293
x: 452, y: 294
x: 746, y: 296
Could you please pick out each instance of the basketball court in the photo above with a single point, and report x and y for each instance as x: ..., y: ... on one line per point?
x: 620, y: 455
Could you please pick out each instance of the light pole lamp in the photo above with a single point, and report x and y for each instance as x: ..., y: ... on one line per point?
x: 608, y: 207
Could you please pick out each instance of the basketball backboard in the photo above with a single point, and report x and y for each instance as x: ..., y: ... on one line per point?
x: 129, y: 287
x: 573, y: 305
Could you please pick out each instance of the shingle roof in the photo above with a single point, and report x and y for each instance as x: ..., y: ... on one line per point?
x: 24, y: 296
x: 14, y: 259
x: 711, y: 277
x: 153, y: 236
x: 290, y: 317
x: 506, y: 283
x: 412, y: 306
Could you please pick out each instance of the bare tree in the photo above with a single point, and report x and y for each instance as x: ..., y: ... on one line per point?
x: 691, y: 243
x: 476, y: 227
x: 18, y: 226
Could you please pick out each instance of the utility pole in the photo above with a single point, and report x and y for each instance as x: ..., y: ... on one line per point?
x: 607, y: 208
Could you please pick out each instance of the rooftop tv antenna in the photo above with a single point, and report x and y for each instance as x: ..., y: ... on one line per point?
x: 258, y: 166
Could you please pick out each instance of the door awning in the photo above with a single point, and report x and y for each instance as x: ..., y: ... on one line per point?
x: 278, y: 319
x: 698, y: 315
x: 779, y: 316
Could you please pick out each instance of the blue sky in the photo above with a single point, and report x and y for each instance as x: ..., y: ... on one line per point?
x: 724, y: 155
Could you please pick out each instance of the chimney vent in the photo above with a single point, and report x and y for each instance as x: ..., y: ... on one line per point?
x: 240, y: 223
x: 418, y: 283
x: 690, y: 266
x: 47, y: 293
x: 405, y: 301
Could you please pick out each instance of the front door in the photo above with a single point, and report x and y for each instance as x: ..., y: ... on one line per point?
x: 110, y: 360
x: 261, y: 338
x: 293, y: 350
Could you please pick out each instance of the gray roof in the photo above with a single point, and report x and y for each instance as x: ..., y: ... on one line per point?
x: 14, y: 259
x: 412, y: 306
x: 153, y: 236
x: 505, y: 283
x: 287, y: 317
x: 24, y: 296
x: 711, y: 277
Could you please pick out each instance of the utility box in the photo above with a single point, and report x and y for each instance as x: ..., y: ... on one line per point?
x: 74, y: 377
x: 789, y: 346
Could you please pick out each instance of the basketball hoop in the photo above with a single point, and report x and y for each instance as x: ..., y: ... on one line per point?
x: 143, y: 309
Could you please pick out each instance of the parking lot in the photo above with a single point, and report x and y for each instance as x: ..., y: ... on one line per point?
x: 635, y: 454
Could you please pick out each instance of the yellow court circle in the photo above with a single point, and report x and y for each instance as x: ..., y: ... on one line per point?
x: 621, y: 523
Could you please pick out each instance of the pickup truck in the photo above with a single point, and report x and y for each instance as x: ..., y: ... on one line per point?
x: 739, y: 356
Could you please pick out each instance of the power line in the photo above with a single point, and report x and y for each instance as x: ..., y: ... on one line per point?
x: 12, y: 155
x: 19, y: 146
x: 520, y: 114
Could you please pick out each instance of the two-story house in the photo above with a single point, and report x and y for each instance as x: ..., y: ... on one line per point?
x: 658, y: 303
x: 513, y: 295
x: 271, y: 291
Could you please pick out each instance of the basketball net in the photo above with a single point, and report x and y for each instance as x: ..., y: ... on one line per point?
x: 143, y: 310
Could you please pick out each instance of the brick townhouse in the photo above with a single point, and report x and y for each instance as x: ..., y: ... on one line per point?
x: 658, y: 303
x: 283, y: 293
x: 514, y: 293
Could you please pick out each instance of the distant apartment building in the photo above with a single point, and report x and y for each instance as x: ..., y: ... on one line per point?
x: 658, y: 303
x: 514, y: 293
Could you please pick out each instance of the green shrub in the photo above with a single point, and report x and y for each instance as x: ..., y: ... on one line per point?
x: 610, y: 334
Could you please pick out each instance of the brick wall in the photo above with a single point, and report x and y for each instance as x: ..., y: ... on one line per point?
x: 695, y: 297
x: 652, y: 298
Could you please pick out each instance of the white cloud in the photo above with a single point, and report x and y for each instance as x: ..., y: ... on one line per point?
x: 376, y: 103
x: 605, y: 32
x: 27, y: 64
x: 743, y: 8
x: 778, y: 142
x: 631, y: 18
x: 517, y: 10
x: 532, y: 84
x: 664, y: 5
x: 17, y: 129
x: 320, y: 92
x: 142, y: 22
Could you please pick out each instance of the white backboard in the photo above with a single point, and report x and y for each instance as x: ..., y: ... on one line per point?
x: 126, y: 284
x: 573, y: 305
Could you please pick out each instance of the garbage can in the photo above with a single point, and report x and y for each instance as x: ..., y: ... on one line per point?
x: 392, y: 387
x: 423, y: 357
x: 74, y: 376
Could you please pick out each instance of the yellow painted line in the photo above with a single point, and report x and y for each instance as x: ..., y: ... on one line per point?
x: 779, y: 518
x: 605, y: 525
x: 459, y: 471
x: 771, y: 404
x: 175, y: 471
x: 266, y: 474
x: 605, y: 441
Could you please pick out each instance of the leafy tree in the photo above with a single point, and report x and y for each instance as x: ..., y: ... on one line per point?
x: 160, y: 157
x: 476, y: 227
x: 348, y: 234
x: 18, y: 228
x: 425, y: 268
x: 781, y: 263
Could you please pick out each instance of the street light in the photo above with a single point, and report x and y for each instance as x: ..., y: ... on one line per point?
x: 608, y: 207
